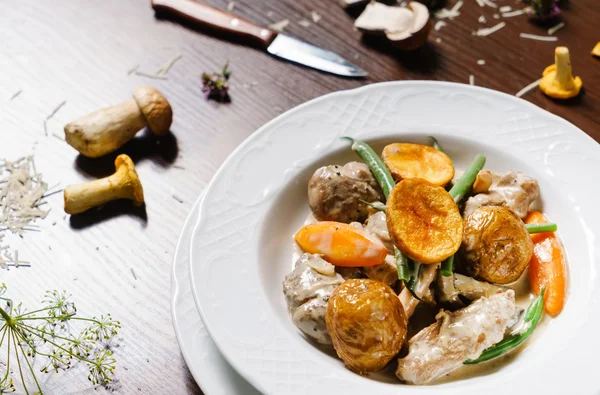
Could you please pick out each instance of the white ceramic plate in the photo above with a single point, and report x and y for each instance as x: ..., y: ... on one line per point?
x: 242, y: 245
x: 210, y: 370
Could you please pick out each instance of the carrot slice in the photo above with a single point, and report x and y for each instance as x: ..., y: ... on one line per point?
x: 341, y: 244
x: 547, y: 267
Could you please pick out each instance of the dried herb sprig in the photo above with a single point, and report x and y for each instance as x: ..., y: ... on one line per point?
x: 46, y: 332
x: 216, y: 85
x: 544, y: 9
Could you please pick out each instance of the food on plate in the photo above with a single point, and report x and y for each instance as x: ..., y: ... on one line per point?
x: 106, y: 130
x: 547, y: 267
x: 341, y: 244
x: 366, y: 323
x: 341, y: 193
x: 557, y: 79
x: 456, y: 337
x: 306, y: 292
x: 405, y: 28
x: 418, y: 161
x: 513, y: 190
x: 366, y: 282
x: 123, y: 184
x: 424, y: 221
x: 496, y: 245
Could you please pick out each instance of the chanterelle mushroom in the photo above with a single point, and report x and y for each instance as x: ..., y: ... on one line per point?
x: 406, y: 27
x: 557, y: 80
x: 123, y: 184
x: 106, y: 130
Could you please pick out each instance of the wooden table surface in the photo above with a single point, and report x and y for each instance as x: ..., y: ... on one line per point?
x: 80, y: 53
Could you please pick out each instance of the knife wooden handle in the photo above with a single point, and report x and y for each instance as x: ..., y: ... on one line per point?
x: 205, y: 16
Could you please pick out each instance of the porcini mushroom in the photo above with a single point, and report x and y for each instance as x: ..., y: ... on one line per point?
x: 557, y: 80
x: 123, y: 184
x: 406, y: 28
x: 106, y: 130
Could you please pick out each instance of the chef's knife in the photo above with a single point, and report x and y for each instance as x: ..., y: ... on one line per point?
x: 275, y: 43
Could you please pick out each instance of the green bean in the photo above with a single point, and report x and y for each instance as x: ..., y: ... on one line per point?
x: 462, y: 187
x: 415, y: 270
x: 532, y: 317
x: 436, y: 145
x: 401, y: 265
x: 375, y: 206
x: 378, y: 168
x: 447, y: 266
x: 387, y: 183
x: 541, y: 228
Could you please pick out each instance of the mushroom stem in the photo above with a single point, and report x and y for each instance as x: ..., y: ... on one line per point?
x: 562, y: 60
x: 106, y: 130
x: 123, y: 184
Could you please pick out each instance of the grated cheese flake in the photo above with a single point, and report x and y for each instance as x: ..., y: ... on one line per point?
x: 231, y: 6
x: 304, y: 23
x: 555, y: 28
x: 505, y: 9
x: 486, y: 31
x: 21, y: 194
x: 489, y: 3
x: 514, y: 13
x: 445, y: 13
x: 481, y: 62
x: 538, y: 38
x: 279, y: 26
x: 471, y: 79
x: 439, y: 25
x: 482, y: 19
x: 528, y: 88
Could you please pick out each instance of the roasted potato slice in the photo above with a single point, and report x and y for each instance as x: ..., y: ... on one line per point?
x: 418, y: 161
x: 423, y: 221
x: 367, y: 324
x: 496, y: 245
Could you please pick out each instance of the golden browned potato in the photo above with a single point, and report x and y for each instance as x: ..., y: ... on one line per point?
x: 423, y: 221
x: 496, y: 246
x: 367, y: 325
x: 418, y: 161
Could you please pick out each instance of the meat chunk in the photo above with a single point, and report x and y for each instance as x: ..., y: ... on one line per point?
x: 426, y: 276
x: 387, y: 272
x: 452, y: 286
x: 335, y: 193
x: 377, y: 225
x: 515, y: 191
x: 307, y: 292
x: 455, y: 337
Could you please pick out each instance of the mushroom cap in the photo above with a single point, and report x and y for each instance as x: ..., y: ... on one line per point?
x: 134, y: 180
x: 552, y: 87
x: 155, y: 108
x: 416, y: 36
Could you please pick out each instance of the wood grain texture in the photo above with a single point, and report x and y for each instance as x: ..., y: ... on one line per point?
x: 81, y: 53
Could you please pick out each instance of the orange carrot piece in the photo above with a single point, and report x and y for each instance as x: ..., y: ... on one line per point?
x: 547, y: 267
x: 341, y: 244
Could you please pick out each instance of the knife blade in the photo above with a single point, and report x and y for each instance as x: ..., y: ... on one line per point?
x: 277, y: 44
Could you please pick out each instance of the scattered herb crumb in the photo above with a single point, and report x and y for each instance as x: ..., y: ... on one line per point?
x: 216, y: 85
x: 279, y: 26
x: 544, y: 9
x: 180, y: 200
x: 133, y: 273
x: 304, y: 23
x: 133, y: 69
x: 316, y: 17
x: 17, y: 93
